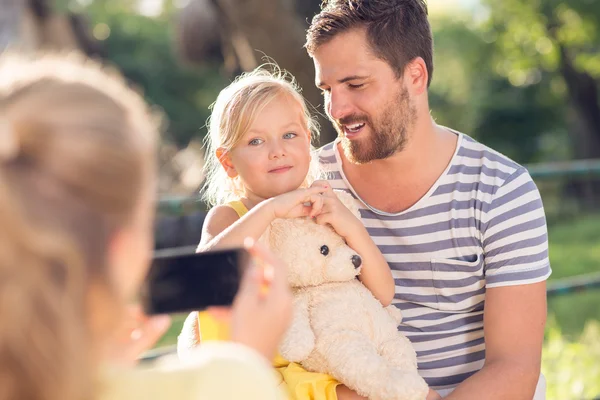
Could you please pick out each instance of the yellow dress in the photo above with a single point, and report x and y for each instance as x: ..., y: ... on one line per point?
x: 301, y: 384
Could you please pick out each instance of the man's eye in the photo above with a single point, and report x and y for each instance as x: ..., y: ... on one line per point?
x: 358, y: 86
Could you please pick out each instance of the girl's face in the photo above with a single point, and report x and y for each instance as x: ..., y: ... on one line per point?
x: 273, y: 157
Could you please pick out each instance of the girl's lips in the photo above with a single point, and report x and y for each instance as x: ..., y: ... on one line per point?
x: 280, y: 170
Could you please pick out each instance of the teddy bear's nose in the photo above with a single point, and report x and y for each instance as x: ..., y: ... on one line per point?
x: 356, y: 260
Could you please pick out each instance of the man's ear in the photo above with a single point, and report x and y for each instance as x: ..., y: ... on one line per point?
x: 416, y: 76
x: 225, y: 160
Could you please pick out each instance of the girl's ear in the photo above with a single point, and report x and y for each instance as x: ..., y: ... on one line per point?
x: 309, y: 135
x: 225, y: 160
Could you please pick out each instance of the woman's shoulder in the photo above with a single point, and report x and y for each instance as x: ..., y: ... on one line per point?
x: 219, y: 370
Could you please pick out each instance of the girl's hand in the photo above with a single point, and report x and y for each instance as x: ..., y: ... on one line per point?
x: 262, y: 309
x: 333, y: 212
x: 297, y: 203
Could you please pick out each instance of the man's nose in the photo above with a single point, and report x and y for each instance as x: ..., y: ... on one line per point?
x: 338, y: 106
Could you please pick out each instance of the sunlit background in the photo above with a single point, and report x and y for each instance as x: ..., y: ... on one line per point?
x: 519, y: 75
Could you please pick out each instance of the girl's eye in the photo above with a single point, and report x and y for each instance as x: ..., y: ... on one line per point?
x: 289, y: 135
x: 255, y: 142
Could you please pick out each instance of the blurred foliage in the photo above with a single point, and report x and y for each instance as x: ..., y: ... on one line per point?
x: 477, y: 87
x: 467, y: 94
x: 571, y: 367
x: 575, y: 250
x: 143, y: 48
x: 528, y: 33
x: 553, y: 44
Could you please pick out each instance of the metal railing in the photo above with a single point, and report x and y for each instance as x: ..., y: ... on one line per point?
x: 550, y: 170
x: 573, y: 284
x: 541, y: 171
x: 564, y: 169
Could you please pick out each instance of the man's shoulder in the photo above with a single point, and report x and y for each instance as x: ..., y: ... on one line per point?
x: 473, y: 148
x: 326, y: 154
x: 326, y: 148
x: 489, y: 161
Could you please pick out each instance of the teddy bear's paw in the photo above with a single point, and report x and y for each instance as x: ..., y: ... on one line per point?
x: 400, y: 353
x: 394, y: 313
x: 401, y: 385
x: 296, y: 350
x: 294, y: 353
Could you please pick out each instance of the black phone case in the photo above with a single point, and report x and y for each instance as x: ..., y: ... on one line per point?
x: 183, y: 281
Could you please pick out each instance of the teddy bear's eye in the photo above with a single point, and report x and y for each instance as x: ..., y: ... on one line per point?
x: 324, y: 250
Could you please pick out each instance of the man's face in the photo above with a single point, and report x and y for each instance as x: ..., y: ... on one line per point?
x: 369, y: 106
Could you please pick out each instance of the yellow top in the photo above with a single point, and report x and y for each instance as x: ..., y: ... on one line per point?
x: 301, y: 384
x: 217, y: 371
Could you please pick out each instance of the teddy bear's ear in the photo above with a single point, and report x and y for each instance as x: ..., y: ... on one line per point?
x: 349, y: 201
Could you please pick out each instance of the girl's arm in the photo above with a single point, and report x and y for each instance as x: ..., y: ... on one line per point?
x: 375, y: 273
x: 222, y: 227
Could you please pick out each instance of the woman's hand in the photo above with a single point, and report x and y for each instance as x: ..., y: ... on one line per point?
x: 137, y: 334
x: 262, y: 309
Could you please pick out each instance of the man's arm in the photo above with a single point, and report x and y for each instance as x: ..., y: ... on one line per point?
x: 515, y: 246
x: 514, y: 319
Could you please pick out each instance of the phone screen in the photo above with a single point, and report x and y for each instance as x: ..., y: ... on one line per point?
x: 183, y: 281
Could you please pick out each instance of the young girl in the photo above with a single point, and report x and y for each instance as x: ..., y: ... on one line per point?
x: 259, y: 168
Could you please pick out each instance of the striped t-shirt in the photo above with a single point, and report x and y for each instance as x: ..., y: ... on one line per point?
x: 481, y: 225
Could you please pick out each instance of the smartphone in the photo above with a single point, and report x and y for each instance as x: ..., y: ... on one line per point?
x: 184, y: 281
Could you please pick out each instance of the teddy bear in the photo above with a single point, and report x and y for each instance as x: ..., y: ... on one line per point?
x: 339, y: 327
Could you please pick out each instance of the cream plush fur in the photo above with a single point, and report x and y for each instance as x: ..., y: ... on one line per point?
x: 339, y: 328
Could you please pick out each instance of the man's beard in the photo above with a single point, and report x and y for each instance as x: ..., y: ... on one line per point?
x: 389, y: 133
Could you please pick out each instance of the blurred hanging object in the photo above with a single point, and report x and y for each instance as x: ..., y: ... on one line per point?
x: 33, y: 25
x: 10, y: 27
x: 241, y: 33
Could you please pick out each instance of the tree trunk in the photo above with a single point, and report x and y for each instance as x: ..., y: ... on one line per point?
x: 275, y: 28
x: 583, y: 96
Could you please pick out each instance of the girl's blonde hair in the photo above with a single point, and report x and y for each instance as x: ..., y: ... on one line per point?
x: 75, y: 154
x: 232, y: 115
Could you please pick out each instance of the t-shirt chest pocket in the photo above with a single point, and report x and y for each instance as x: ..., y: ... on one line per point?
x: 458, y: 283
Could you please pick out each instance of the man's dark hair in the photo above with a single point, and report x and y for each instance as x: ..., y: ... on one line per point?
x: 397, y: 30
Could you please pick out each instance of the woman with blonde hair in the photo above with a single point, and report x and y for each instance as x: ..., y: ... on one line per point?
x: 77, y: 198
